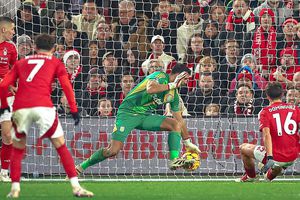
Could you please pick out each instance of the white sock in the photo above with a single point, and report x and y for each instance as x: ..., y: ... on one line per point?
x: 15, y: 186
x: 74, y: 182
x: 4, y: 171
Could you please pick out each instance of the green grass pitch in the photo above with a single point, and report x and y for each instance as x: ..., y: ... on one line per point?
x: 160, y: 190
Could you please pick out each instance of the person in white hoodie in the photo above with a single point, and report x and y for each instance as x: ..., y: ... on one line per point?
x: 192, y: 24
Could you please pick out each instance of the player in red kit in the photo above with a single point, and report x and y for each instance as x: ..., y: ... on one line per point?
x: 8, y: 56
x: 35, y: 74
x: 279, y: 124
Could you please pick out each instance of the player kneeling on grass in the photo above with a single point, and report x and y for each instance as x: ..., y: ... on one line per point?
x: 279, y: 123
x: 35, y: 74
x: 135, y: 113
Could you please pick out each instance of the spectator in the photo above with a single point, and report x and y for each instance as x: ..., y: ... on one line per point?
x: 297, y: 41
x: 278, y: 9
x: 229, y: 65
x: 244, y: 104
x: 192, y: 25
x: 163, y: 23
x: 248, y: 64
x: 92, y: 60
x: 210, y: 35
x: 89, y: 19
x: 212, y: 110
x: 73, y: 39
x: 74, y: 69
x: 195, y: 50
x: 132, y: 63
x: 130, y: 30
x: 127, y: 83
x: 293, y: 96
x: 95, y: 89
x: 55, y: 24
x: 157, y: 46
x: 111, y: 70
x: 60, y: 50
x: 296, y: 81
x: 287, y: 68
x: 206, y: 65
x: 105, y: 108
x: 206, y: 93
x: 241, y: 21
x: 264, y: 48
x: 27, y: 21
x: 217, y: 13
x: 104, y: 36
x: 25, y: 46
x: 289, y: 35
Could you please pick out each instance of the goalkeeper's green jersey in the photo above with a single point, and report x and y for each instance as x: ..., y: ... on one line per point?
x: 139, y: 101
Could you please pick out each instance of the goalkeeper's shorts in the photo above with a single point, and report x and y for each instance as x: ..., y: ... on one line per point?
x: 126, y: 122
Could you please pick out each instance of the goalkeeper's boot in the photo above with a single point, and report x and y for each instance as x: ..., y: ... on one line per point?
x: 4, y: 177
x: 81, y: 192
x: 180, y: 163
x: 246, y: 178
x: 13, y: 194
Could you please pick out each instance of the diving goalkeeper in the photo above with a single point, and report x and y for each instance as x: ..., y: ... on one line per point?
x: 135, y: 113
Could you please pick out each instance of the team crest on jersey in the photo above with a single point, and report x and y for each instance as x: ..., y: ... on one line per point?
x: 5, y: 51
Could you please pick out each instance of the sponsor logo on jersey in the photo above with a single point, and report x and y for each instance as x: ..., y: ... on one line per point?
x: 5, y: 51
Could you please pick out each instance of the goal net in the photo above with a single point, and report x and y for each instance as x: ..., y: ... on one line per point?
x: 108, y: 47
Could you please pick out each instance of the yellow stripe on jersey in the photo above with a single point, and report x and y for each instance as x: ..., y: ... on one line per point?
x: 139, y: 88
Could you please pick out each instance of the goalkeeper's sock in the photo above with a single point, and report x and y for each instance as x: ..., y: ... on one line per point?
x: 94, y: 159
x: 251, y: 172
x: 174, y: 144
x: 16, y: 164
x: 5, y: 156
x: 67, y: 161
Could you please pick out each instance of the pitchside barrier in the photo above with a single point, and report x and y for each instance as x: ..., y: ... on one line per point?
x: 145, y: 154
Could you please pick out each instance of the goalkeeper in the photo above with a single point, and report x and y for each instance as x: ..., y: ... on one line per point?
x: 135, y: 113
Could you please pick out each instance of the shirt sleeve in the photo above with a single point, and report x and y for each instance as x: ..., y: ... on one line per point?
x: 61, y: 70
x: 263, y: 120
x: 175, y: 104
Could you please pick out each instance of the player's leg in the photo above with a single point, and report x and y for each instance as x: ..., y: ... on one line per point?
x: 100, y: 155
x: 250, y: 152
x: 6, y: 126
x: 6, y: 149
x: 272, y: 173
x: 163, y: 123
x: 69, y: 166
x: 125, y: 123
x: 18, y: 150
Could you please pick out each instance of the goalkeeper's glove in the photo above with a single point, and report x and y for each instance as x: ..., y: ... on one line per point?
x: 190, y: 146
x: 177, y: 82
x: 76, y: 118
x: 2, y: 110
x: 270, y: 163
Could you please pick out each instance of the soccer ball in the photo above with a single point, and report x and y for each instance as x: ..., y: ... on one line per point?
x: 189, y: 156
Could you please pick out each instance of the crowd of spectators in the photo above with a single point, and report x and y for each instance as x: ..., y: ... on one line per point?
x: 233, y: 48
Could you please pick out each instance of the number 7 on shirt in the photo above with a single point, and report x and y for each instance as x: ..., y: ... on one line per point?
x: 38, y: 64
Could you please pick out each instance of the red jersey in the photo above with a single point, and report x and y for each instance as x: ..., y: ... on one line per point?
x: 283, y: 121
x: 8, y: 57
x: 35, y: 74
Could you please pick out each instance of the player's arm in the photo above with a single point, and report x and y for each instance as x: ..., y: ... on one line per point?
x: 68, y: 90
x: 9, y: 79
x: 267, y: 141
x: 154, y: 86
